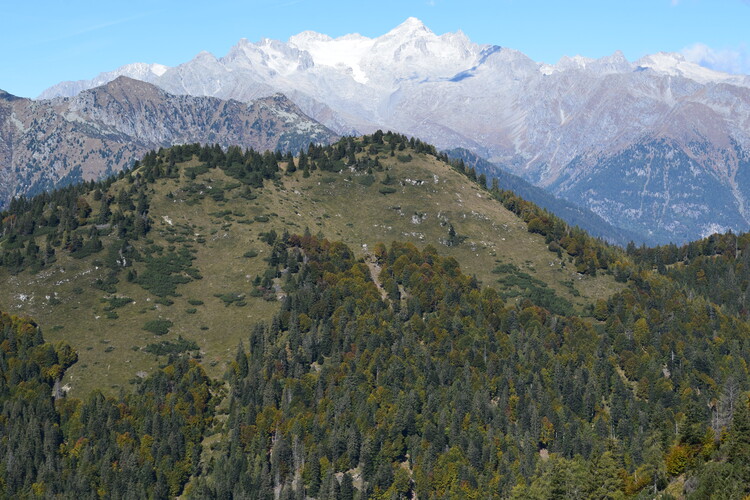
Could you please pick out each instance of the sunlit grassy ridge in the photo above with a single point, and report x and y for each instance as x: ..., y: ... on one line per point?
x: 206, y: 217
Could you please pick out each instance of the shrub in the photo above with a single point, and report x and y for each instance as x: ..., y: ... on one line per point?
x: 171, y: 347
x: 158, y: 326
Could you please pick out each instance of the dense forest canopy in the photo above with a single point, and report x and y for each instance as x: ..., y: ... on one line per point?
x: 393, y: 375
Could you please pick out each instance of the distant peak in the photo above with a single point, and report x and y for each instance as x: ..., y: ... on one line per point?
x: 578, y: 61
x: 617, y: 56
x: 309, y: 36
x: 127, y: 84
x: 411, y: 25
x: 413, y: 21
x: 676, y: 64
x: 661, y: 57
x: 122, y: 80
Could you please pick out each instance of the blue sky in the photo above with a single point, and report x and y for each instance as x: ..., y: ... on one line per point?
x: 48, y: 41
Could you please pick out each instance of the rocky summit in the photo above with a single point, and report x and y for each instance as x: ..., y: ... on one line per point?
x: 54, y: 142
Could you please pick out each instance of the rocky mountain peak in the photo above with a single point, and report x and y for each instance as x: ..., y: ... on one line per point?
x: 50, y: 143
x: 552, y: 124
x: 410, y: 26
x: 5, y: 96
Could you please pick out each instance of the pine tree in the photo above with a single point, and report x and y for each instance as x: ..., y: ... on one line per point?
x: 347, y: 487
x: 738, y: 454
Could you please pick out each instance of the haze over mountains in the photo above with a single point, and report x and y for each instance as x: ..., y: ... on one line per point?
x: 658, y: 146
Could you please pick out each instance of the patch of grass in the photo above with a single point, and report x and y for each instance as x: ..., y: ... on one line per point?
x: 193, y: 172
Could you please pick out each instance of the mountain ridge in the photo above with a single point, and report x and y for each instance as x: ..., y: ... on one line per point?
x: 103, y: 130
x: 192, y: 221
x: 551, y: 124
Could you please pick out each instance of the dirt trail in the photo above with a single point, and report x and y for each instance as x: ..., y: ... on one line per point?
x: 372, y: 265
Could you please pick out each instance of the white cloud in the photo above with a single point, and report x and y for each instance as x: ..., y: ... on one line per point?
x: 730, y: 60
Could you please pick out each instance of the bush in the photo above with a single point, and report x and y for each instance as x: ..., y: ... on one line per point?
x: 168, y: 347
x: 158, y: 326
x: 232, y: 298
x: 117, y: 302
x: 366, y: 180
x: 164, y: 272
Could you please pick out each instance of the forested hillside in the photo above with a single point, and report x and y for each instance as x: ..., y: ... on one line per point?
x: 329, y: 369
x: 142, y: 444
x: 171, y: 255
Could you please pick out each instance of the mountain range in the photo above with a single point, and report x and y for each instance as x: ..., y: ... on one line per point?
x: 327, y: 317
x: 658, y: 146
x: 54, y: 142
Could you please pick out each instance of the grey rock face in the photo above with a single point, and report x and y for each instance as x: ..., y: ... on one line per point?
x: 49, y: 143
x: 560, y: 126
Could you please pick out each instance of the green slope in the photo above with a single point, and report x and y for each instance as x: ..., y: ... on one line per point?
x: 408, y: 196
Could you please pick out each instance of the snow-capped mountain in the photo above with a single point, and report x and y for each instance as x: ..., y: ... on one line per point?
x: 559, y: 125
